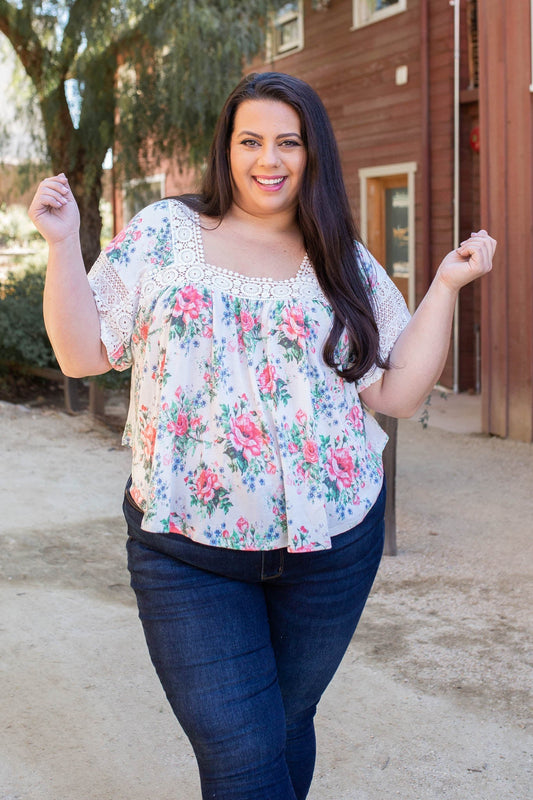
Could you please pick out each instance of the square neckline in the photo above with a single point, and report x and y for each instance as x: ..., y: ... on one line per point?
x: 304, y: 267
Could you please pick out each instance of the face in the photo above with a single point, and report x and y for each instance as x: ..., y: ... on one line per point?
x: 267, y: 157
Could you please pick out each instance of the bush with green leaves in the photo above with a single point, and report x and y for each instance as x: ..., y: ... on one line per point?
x: 16, y: 230
x: 23, y: 338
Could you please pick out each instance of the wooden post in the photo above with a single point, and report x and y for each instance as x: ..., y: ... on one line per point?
x: 96, y: 399
x: 71, y: 391
x: 390, y: 426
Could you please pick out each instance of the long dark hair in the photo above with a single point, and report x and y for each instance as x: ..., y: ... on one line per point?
x: 323, y: 215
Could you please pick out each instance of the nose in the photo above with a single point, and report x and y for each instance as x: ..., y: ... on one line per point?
x: 269, y: 156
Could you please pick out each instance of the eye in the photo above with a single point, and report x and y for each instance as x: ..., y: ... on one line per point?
x: 290, y: 143
x: 250, y: 142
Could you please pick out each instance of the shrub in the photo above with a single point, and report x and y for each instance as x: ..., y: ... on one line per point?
x: 23, y: 338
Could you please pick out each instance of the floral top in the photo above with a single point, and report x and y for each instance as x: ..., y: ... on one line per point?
x: 242, y: 437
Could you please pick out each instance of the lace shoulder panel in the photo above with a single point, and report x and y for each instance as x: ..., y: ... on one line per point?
x: 115, y: 303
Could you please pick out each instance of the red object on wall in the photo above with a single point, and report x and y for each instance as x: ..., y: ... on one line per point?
x: 474, y: 139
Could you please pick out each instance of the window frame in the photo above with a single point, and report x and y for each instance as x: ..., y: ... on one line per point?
x: 277, y: 20
x: 409, y: 169
x: 359, y: 20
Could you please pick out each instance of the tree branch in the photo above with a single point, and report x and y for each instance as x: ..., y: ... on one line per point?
x: 81, y: 13
x: 15, y: 23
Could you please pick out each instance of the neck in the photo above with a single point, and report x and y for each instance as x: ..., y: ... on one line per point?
x: 282, y: 223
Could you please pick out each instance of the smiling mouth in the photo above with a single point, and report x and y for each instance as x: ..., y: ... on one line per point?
x: 277, y: 181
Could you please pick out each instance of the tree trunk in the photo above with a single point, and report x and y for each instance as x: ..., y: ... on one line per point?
x: 88, y: 199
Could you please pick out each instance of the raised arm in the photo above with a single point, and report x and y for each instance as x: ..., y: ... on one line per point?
x: 70, y: 313
x: 418, y: 357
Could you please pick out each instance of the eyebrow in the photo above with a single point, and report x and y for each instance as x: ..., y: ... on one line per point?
x: 279, y: 136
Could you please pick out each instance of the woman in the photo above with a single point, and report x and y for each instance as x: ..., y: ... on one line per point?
x: 259, y: 330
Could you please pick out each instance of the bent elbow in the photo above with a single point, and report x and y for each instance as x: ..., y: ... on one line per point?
x: 77, y: 369
x: 70, y: 371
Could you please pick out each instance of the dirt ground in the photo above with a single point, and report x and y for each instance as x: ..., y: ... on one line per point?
x: 433, y: 699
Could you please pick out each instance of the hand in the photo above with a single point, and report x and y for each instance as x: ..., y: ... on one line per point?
x: 471, y: 260
x: 54, y: 211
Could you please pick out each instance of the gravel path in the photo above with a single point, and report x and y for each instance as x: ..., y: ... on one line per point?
x: 432, y: 701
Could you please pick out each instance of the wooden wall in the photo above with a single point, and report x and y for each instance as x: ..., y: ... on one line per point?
x: 377, y: 122
x: 506, y: 132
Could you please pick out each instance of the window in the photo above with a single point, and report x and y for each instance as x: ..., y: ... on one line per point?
x: 387, y: 222
x: 367, y: 11
x: 286, y: 31
x: 140, y: 193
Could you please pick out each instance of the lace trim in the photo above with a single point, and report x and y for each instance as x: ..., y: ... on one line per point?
x: 302, y: 285
x: 392, y: 315
x: 190, y: 265
x: 115, y: 304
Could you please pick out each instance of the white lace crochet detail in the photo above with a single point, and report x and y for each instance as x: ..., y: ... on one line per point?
x: 190, y: 265
x: 304, y: 284
x: 114, y: 302
x: 391, y: 315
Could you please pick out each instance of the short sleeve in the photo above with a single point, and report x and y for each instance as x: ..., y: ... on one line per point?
x: 390, y: 310
x: 115, y: 278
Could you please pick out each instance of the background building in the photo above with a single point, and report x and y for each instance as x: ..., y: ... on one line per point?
x: 431, y: 102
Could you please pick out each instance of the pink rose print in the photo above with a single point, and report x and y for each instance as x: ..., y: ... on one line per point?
x: 301, y: 416
x: 118, y: 353
x: 172, y: 527
x: 180, y: 426
x: 267, y: 380
x: 247, y: 321
x: 189, y: 303
x: 340, y: 467
x: 143, y: 334
x: 206, y: 485
x: 293, y: 447
x: 243, y: 525
x: 271, y: 468
x: 355, y: 417
x: 293, y: 325
x: 136, y: 495
x: 148, y: 434
x: 310, y: 451
x: 245, y: 436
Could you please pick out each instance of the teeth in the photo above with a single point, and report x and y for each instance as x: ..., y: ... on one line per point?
x: 270, y: 181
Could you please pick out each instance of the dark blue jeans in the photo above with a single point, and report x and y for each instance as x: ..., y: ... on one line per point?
x: 245, y: 643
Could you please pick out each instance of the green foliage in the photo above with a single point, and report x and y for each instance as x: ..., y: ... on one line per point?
x: 23, y: 338
x: 176, y: 63
x: 120, y: 75
x: 196, y: 54
x: 16, y: 228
